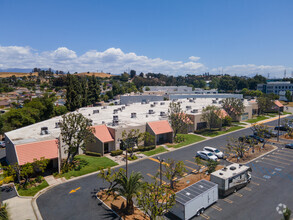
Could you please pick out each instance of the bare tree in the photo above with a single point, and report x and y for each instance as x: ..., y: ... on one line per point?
x: 173, y: 169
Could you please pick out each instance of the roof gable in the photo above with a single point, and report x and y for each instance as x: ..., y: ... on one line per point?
x: 160, y: 127
x: 102, y: 133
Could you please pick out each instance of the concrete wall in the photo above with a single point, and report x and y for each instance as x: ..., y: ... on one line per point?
x: 10, y: 151
x: 219, y: 95
x: 97, y: 146
x: 139, y: 98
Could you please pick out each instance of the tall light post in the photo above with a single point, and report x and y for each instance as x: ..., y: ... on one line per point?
x: 279, y: 123
x: 126, y: 144
x: 161, y: 161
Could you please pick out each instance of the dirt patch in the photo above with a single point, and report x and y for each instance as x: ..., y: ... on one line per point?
x: 102, y: 75
x: 117, y: 206
x: 17, y: 74
x: 258, y: 151
x: 286, y: 136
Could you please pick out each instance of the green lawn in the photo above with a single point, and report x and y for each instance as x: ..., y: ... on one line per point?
x: 155, y: 151
x: 89, y: 164
x: 214, y: 133
x: 258, y: 118
x: 33, y: 190
x: 286, y: 113
x: 189, y: 139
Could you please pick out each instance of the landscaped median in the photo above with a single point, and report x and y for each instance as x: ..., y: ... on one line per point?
x: 158, y: 150
x: 32, y: 189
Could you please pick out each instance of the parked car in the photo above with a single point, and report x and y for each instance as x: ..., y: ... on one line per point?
x: 257, y: 138
x: 266, y: 135
x: 206, y: 155
x: 289, y: 146
x: 281, y: 128
x: 248, y: 138
x: 214, y: 151
x: 273, y: 133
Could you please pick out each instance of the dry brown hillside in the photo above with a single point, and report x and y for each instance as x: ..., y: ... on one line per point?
x: 9, y: 74
x: 102, y: 75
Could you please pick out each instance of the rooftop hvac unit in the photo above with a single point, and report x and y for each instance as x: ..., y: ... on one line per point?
x: 155, y: 103
x: 152, y: 105
x: 103, y: 122
x: 151, y: 111
x: 133, y: 115
x: 104, y: 107
x: 57, y: 124
x: 115, y: 117
x: 220, y: 102
x: 190, y: 100
x: 162, y: 103
x: 115, y: 111
x: 96, y: 111
x: 188, y: 107
x: 147, y: 102
x: 127, y: 104
x: 162, y: 113
x: 194, y: 98
x: 123, y: 107
x: 143, y: 102
x: 119, y: 109
x: 214, y: 101
x: 44, y: 130
x: 194, y: 111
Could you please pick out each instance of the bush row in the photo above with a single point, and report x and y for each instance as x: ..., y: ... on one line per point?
x: 90, y: 153
x: 116, y: 152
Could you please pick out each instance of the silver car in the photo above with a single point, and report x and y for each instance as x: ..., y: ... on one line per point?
x: 214, y: 151
x: 206, y: 155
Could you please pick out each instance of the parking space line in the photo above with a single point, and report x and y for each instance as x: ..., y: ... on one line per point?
x: 284, y: 155
x: 281, y: 158
x: 238, y: 194
x: 153, y: 159
x: 190, y: 168
x: 247, y: 189
x: 158, y: 179
x: 287, y: 151
x: 205, y: 216
x: 276, y: 161
x: 259, y: 178
x: 191, y: 162
x: 228, y: 200
x: 254, y: 183
x: 217, y: 208
x: 184, y: 174
x: 275, y: 165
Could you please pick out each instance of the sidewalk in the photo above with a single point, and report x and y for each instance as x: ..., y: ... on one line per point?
x: 20, y: 208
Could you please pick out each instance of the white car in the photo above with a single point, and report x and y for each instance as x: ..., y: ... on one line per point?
x: 214, y: 151
x: 206, y: 155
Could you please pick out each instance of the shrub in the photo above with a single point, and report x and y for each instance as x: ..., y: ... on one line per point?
x: 7, y: 179
x: 227, y: 121
x: 134, y: 157
x: 90, y: 153
x: 212, y: 165
x: 116, y: 152
x: 39, y: 179
x: 146, y: 148
x: 179, y: 139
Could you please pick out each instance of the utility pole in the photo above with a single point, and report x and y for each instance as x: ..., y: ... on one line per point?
x: 161, y: 161
x: 279, y: 124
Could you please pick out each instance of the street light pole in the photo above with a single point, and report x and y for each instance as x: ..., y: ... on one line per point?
x: 161, y: 161
x: 126, y: 160
x: 279, y: 124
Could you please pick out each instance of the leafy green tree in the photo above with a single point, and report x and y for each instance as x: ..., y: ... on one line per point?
x: 132, y: 73
x: 109, y: 175
x: 262, y: 131
x: 156, y: 199
x: 178, y: 119
x: 73, y: 93
x: 128, y: 187
x: 237, y: 147
x: 211, y: 165
x: 234, y: 107
x: 288, y: 96
x: 60, y: 110
x: 210, y: 115
x: 173, y: 169
x: 264, y: 103
x: 287, y: 214
x: 27, y: 170
x: 39, y: 166
x: 76, y: 133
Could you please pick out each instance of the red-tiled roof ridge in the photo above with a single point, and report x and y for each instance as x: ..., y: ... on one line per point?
x: 278, y: 103
x: 102, y: 133
x: 26, y: 153
x: 160, y: 127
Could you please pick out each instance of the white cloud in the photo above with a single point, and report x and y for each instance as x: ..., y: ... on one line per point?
x: 114, y: 60
x: 193, y: 58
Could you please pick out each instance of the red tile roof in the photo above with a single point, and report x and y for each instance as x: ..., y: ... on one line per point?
x: 160, y: 127
x: 223, y: 114
x: 279, y: 104
x: 26, y: 153
x: 103, y: 134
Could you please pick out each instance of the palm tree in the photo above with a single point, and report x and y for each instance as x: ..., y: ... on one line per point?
x: 128, y: 188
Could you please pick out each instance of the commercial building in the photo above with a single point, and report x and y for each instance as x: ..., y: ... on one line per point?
x: 109, y: 123
x: 278, y: 88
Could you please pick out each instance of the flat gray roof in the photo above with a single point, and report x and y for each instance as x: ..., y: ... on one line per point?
x: 227, y: 172
x: 191, y: 192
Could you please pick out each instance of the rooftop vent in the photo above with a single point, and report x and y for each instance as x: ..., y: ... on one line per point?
x: 133, y: 115
x: 152, y: 105
x: 104, y: 107
x: 232, y: 168
x: 188, y: 107
x: 89, y: 114
x: 151, y: 111
x: 162, y: 103
x: 57, y: 124
x: 217, y: 98
x: 155, y: 103
x: 123, y: 107
x: 96, y: 111
x: 115, y: 117
x: 190, y: 100
x: 221, y: 174
x: 214, y: 101
x: 188, y: 194
x: 44, y: 130
x: 194, y: 111
x: 115, y: 111
x: 162, y: 113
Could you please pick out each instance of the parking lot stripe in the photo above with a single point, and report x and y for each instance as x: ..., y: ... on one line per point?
x: 259, y: 178
x: 275, y: 165
x: 150, y: 175
x: 228, y: 200
x: 281, y: 158
x: 190, y: 162
x: 205, y: 216
x: 247, y: 189
x: 153, y: 159
x: 217, y: 208
x: 254, y: 183
x: 238, y: 194
x: 287, y: 150
x: 284, y: 154
x: 190, y: 168
x: 276, y: 161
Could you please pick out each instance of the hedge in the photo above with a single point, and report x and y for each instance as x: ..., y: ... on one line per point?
x: 116, y: 152
x: 90, y: 153
x: 146, y: 148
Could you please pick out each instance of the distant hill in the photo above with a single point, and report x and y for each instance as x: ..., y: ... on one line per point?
x: 17, y: 74
x: 102, y: 75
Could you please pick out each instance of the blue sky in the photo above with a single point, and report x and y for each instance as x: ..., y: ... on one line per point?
x: 242, y: 37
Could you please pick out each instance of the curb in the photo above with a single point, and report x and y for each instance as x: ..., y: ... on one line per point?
x: 109, y: 207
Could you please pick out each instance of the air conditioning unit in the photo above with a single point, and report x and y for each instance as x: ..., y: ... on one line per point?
x: 214, y: 101
x: 44, y: 130
x: 57, y: 124
x: 133, y: 115
x: 123, y: 107
x: 188, y: 107
x: 152, y: 105
x: 162, y: 103
x: 115, y: 111
x: 162, y: 113
x: 151, y: 111
x: 96, y: 111
x: 194, y: 111
x: 155, y: 103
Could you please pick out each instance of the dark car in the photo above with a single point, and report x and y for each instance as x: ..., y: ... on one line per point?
x: 266, y: 135
x: 257, y: 138
x: 247, y: 139
x: 274, y: 133
x: 289, y: 146
x: 281, y: 128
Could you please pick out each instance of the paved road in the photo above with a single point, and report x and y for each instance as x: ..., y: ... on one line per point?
x: 258, y: 201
